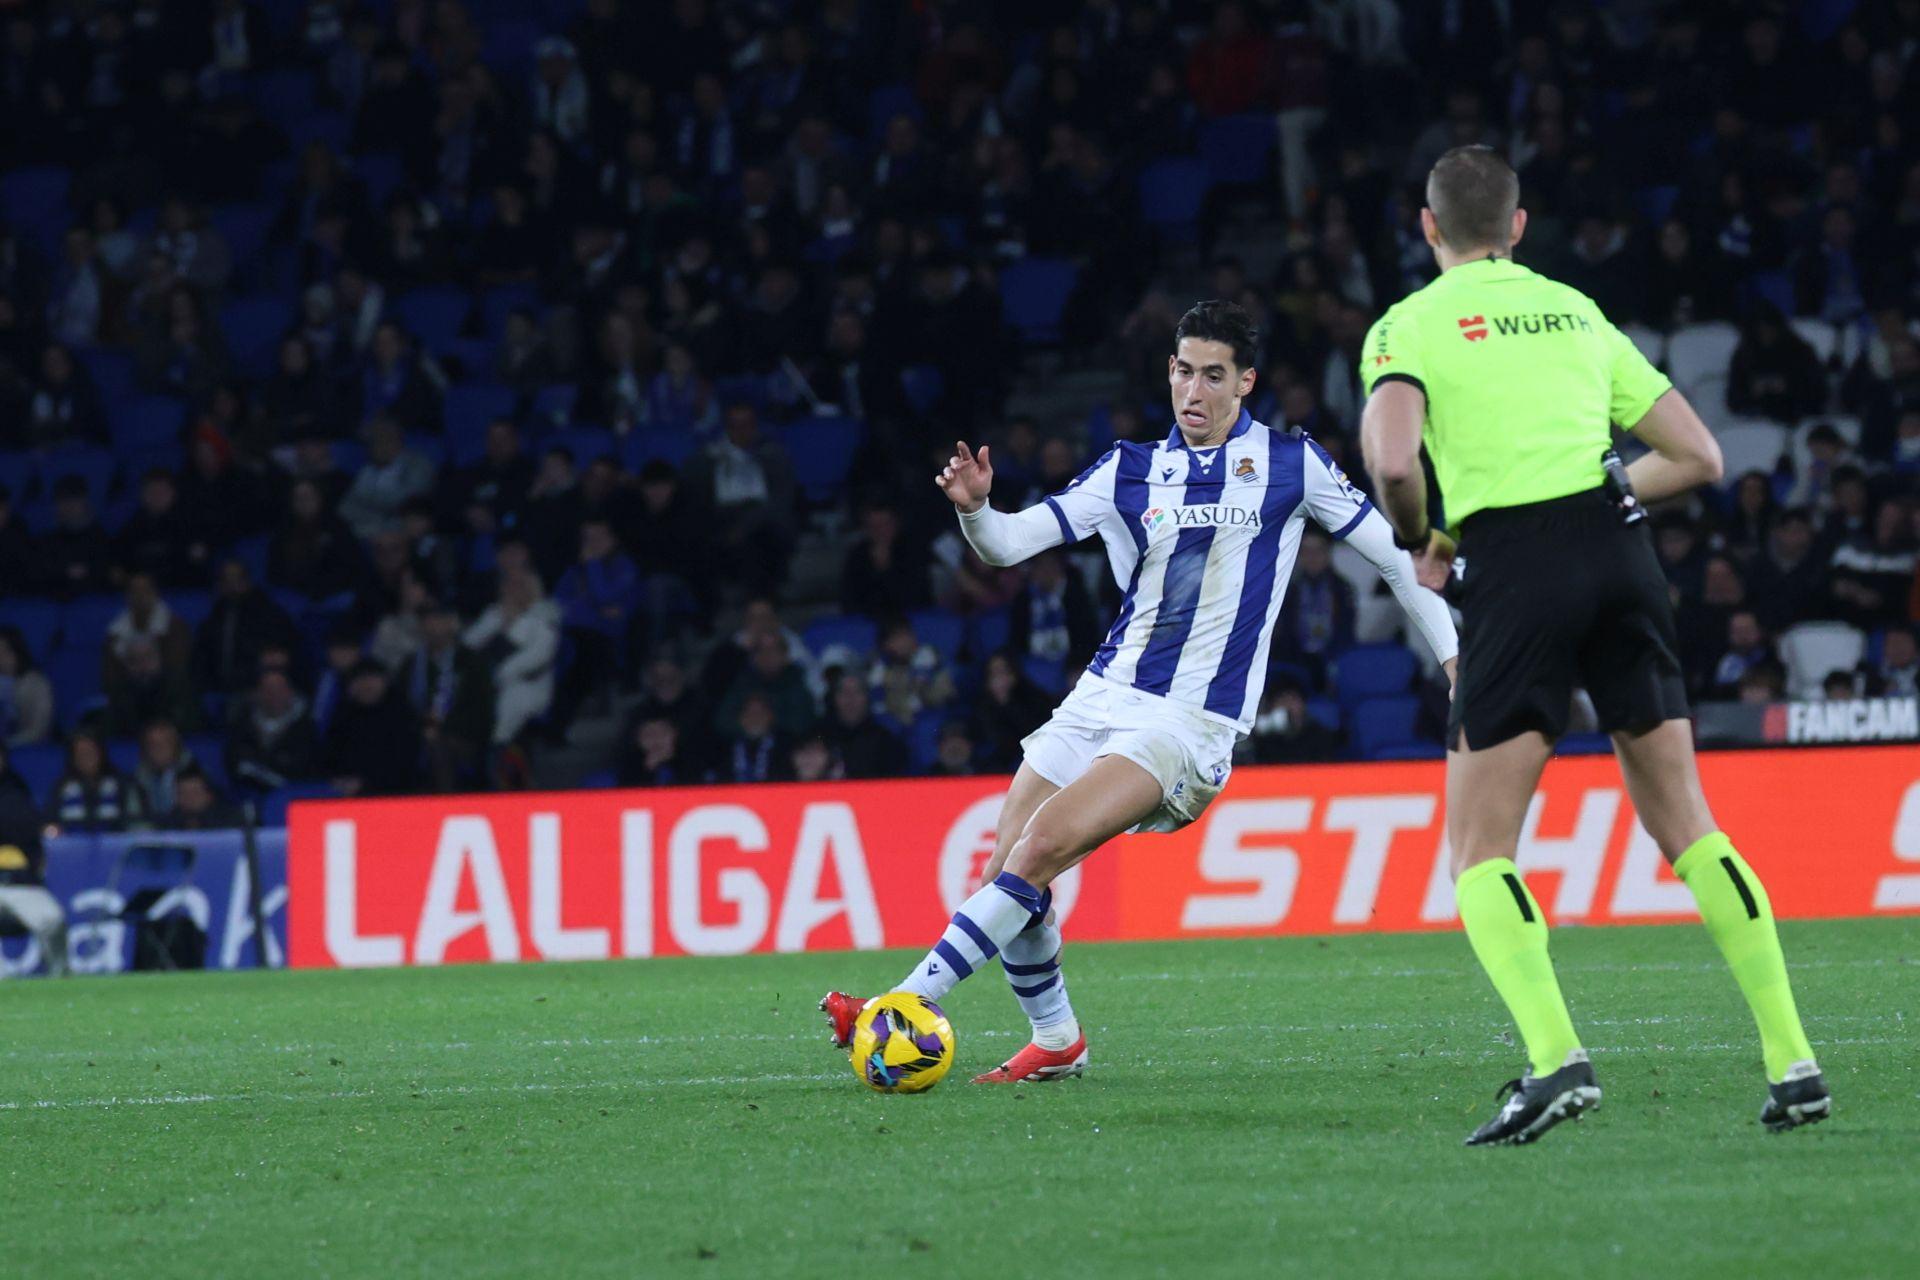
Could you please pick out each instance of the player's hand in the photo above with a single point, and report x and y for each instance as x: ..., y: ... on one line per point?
x: 1433, y: 566
x: 1452, y: 667
x: 966, y: 478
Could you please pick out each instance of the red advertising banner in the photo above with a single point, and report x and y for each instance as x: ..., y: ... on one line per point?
x: 825, y: 866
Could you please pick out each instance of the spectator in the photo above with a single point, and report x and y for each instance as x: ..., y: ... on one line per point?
x: 1746, y: 646
x: 90, y: 794
x: 1826, y: 455
x: 75, y: 555
x: 341, y: 653
x: 451, y: 691
x: 1774, y: 373
x: 1688, y: 283
x: 1868, y: 584
x: 550, y: 517
x: 679, y: 398
x: 1317, y: 616
x: 19, y: 562
x: 811, y: 760
x: 881, y: 576
x: 1283, y: 731
x: 160, y: 539
x: 180, y: 352
x: 596, y: 598
x: 301, y: 398
x: 652, y: 756
x: 1763, y: 683
x: 864, y: 748
x: 81, y: 296
x: 147, y: 617
x: 770, y: 674
x: 373, y: 745
x: 1787, y: 580
x: 141, y: 688
x: 485, y: 498
x: 1009, y: 708
x: 953, y: 752
x: 273, y: 741
x: 728, y: 659
x: 243, y: 622
x: 394, y: 384
x: 1052, y: 619
x: 163, y: 758
x: 524, y: 360
x: 393, y: 476
x: 667, y: 694
x: 747, y: 481
x: 754, y: 749
x: 1230, y: 71
x: 197, y: 254
x: 1897, y: 673
x: 198, y: 805
x: 24, y: 900
x: 908, y: 677
x: 26, y: 696
x: 64, y: 407
x: 1682, y: 556
x: 397, y: 636
x: 674, y: 581
x: 519, y: 638
x: 1750, y: 521
x: 313, y: 552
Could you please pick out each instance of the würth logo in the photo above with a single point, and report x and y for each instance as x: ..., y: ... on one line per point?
x: 1473, y: 328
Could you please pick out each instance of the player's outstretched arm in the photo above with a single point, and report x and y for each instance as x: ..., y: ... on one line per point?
x: 1373, y: 538
x: 999, y: 539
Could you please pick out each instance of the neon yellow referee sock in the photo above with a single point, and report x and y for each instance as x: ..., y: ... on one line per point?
x: 1509, y: 935
x: 1734, y: 905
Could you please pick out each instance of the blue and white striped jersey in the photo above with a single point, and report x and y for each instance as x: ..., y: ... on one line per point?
x: 1203, y: 543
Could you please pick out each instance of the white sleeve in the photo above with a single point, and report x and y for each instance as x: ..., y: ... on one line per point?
x: 1069, y: 516
x: 1003, y: 539
x: 1372, y: 537
x: 1331, y: 498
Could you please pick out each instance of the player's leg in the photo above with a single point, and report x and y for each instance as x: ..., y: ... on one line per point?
x: 1663, y: 779
x: 1488, y: 792
x: 1031, y: 959
x: 1113, y: 795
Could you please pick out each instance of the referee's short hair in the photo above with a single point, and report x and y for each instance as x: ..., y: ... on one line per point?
x: 1473, y: 192
x: 1218, y: 320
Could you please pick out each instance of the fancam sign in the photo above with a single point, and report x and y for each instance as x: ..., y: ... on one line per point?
x: 1301, y: 850
x: 1834, y: 720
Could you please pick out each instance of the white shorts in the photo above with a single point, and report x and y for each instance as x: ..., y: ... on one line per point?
x: 1189, y: 754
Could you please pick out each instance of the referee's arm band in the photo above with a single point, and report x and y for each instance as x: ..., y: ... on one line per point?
x: 1407, y: 378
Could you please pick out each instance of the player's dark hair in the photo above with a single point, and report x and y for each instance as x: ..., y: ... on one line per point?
x: 1217, y: 320
x: 1473, y: 192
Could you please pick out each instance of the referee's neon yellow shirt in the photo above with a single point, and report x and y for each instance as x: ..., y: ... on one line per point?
x: 1523, y: 377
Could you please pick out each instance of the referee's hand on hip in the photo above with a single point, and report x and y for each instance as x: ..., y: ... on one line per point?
x: 1433, y: 565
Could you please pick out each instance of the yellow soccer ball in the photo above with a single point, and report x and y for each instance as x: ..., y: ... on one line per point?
x: 902, y: 1043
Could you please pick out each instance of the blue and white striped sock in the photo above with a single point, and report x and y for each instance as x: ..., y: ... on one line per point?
x: 1032, y: 962
x: 986, y: 922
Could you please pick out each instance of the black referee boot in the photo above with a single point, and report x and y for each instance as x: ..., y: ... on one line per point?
x: 1537, y: 1103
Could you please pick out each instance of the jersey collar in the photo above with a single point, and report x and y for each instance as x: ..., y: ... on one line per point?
x: 1240, y: 427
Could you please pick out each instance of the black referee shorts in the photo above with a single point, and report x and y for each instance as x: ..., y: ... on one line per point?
x: 1555, y: 596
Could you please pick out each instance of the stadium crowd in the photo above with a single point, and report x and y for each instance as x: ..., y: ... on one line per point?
x: 388, y: 389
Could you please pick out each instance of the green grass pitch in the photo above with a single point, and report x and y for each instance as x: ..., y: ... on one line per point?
x: 1262, y: 1107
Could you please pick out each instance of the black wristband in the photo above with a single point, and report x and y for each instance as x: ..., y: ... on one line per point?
x: 1418, y: 544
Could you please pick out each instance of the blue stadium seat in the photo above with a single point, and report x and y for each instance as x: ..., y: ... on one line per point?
x: 1324, y: 711
x: 273, y: 808
x: 16, y: 476
x: 39, y: 765
x: 554, y: 405
x: 888, y: 101
x: 75, y: 676
x: 501, y: 301
x: 1411, y: 751
x: 585, y: 443
x: 473, y: 356
x: 1656, y: 203
x: 923, y: 739
x: 467, y: 412
x: 38, y: 621
x: 282, y: 96
x: 1034, y: 292
x: 1584, y: 744
x: 1380, y: 723
x: 244, y: 227
x: 253, y: 552
x: 111, y: 371
x: 509, y: 47
x: 433, y: 316
x: 989, y: 632
x: 381, y: 173
x: 1049, y: 673
x: 1172, y: 192
x: 210, y: 753
x: 124, y: 754
x: 851, y: 632
x: 330, y: 127
x: 430, y: 447
x: 35, y: 200
x: 1238, y: 149
x: 144, y: 423
x: 95, y: 466
x: 1373, y: 671
x: 945, y: 631
x: 253, y: 328
x: 669, y: 444
x: 924, y: 385
x: 1775, y: 287
x: 822, y: 450
x: 191, y: 607
x: 84, y: 620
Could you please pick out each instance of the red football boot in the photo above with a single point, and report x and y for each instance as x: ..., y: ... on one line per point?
x: 1036, y: 1064
x: 841, y: 1010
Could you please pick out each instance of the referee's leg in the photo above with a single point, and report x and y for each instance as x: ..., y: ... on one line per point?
x: 1663, y: 779
x: 1488, y: 791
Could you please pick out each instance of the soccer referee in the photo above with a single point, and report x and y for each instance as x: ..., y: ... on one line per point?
x: 1513, y: 382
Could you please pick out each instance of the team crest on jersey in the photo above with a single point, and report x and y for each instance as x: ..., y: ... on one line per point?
x: 1245, y: 470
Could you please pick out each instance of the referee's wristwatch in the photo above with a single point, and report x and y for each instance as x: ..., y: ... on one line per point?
x: 1415, y: 545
